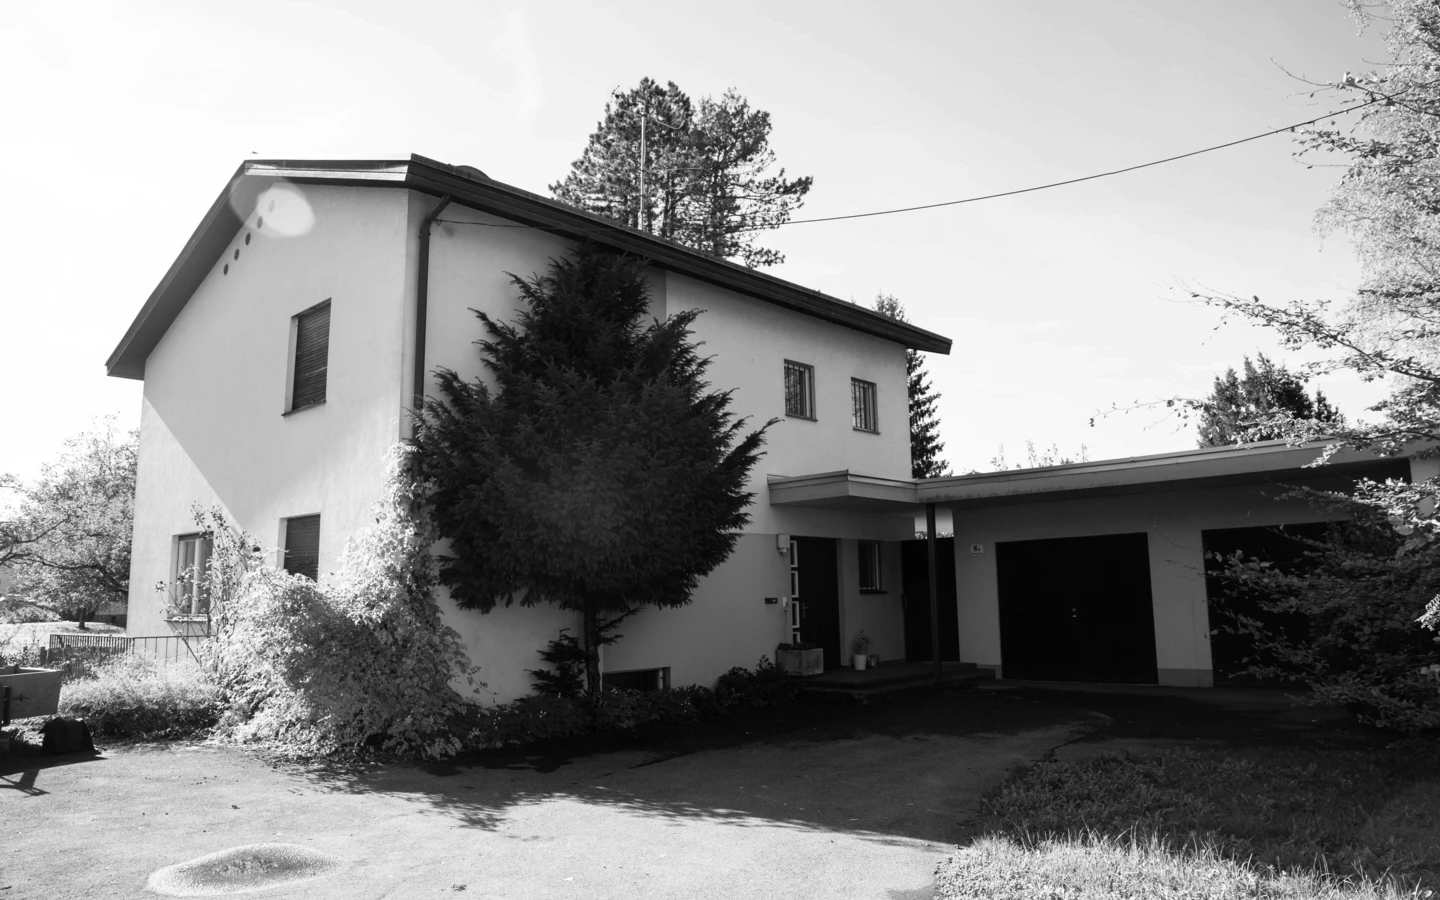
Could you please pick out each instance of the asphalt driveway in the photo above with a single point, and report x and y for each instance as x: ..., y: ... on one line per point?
x: 852, y: 802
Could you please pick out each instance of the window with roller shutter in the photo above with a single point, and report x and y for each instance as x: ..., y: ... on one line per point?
x: 302, y: 546
x: 312, y: 356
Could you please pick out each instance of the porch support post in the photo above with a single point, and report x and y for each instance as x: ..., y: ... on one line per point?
x: 935, y: 667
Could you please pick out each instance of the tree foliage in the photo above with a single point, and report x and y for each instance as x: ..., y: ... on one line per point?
x: 925, y: 443
x: 1241, y: 409
x: 360, y: 659
x: 595, y: 470
x: 1386, y: 201
x: 1356, y: 593
x: 705, y: 181
x: 69, y: 539
x: 1039, y: 457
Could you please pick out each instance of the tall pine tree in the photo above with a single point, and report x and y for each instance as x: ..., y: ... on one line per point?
x: 599, y: 473
x: 705, y: 184
x: 925, y: 444
x: 1259, y: 406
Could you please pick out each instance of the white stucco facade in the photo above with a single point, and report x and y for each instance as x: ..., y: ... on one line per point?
x: 215, y: 431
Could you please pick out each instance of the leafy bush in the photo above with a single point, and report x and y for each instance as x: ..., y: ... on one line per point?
x: 135, y: 696
x: 548, y: 716
x: 359, y: 660
x: 1357, y: 593
x: 18, y: 611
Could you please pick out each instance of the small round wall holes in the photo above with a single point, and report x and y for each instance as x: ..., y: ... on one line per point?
x: 247, y: 238
x: 260, y: 222
x: 237, y: 252
x: 227, y: 269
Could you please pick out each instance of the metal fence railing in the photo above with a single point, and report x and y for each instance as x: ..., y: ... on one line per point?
x: 78, y: 654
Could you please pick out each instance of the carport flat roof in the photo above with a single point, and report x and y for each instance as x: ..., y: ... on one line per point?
x: 1269, y: 462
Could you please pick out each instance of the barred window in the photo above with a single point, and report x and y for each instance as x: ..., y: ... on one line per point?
x: 799, y: 390
x: 862, y: 401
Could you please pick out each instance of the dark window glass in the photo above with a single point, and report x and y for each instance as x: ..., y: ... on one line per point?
x: 870, y: 566
x: 799, y: 390
x: 302, y: 546
x: 862, y: 402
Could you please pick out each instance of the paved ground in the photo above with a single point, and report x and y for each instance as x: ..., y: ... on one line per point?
x: 825, y: 801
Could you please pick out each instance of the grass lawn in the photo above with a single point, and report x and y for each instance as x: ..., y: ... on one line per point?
x: 1282, y: 822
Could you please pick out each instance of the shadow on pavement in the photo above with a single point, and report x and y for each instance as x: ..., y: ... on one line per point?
x: 908, y: 768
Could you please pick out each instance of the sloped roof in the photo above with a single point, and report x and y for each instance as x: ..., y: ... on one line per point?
x: 469, y: 187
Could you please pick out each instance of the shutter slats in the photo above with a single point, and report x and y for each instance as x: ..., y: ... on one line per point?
x: 312, y: 356
x: 302, y: 546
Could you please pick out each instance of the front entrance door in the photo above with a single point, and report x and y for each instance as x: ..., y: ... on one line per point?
x: 816, y: 570
x: 915, y: 588
x: 1077, y: 609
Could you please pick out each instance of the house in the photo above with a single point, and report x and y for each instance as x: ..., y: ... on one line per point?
x: 282, y: 353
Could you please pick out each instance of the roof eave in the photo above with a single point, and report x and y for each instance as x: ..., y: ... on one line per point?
x: 470, y: 188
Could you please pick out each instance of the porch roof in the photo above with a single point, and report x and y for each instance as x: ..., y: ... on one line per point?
x: 1268, y: 462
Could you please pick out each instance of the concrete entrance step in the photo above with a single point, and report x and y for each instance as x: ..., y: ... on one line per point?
x: 893, y: 678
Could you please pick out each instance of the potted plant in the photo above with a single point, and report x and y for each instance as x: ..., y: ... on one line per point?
x: 861, y: 648
x: 800, y: 658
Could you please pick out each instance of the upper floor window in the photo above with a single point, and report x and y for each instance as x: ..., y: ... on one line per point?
x: 190, y: 595
x: 311, y: 361
x: 799, y: 390
x: 862, y: 402
x: 870, y: 566
x: 302, y: 546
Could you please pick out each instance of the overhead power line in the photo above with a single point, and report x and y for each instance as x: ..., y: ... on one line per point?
x: 1383, y: 98
x: 1055, y: 184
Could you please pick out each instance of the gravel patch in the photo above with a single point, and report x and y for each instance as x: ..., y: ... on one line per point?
x: 253, y: 867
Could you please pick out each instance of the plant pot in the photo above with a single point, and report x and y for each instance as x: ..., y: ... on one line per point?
x: 801, y: 662
x: 32, y: 692
x: 859, y: 660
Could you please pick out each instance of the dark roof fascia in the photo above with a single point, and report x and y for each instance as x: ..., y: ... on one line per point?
x: 506, y: 201
x: 469, y: 188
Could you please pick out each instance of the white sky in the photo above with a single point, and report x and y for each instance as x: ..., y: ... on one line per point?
x: 124, y: 120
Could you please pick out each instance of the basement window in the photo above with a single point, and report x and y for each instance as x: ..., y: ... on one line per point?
x: 638, y: 679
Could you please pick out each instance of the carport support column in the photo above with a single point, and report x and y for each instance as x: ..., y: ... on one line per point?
x: 935, y: 667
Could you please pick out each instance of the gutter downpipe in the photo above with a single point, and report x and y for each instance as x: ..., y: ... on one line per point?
x: 935, y: 666
x: 422, y: 296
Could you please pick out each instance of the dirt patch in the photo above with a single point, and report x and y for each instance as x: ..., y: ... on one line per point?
x: 255, y: 867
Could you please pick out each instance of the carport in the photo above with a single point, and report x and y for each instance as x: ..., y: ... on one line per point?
x: 1090, y: 572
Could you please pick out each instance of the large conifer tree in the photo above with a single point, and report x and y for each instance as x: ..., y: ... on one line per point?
x: 925, y: 444
x: 595, y: 469
x: 1247, y: 408
x: 705, y: 168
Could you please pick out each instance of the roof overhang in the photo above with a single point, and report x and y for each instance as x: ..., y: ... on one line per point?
x: 1269, y: 463
x: 469, y: 187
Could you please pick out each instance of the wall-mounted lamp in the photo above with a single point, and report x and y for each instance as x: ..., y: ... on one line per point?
x: 782, y: 543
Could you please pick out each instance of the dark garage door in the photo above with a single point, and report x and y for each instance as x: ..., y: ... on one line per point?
x: 1077, y: 609
x: 1283, y: 547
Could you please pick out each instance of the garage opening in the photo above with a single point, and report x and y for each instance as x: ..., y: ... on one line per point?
x: 1077, y: 609
x: 1283, y: 547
